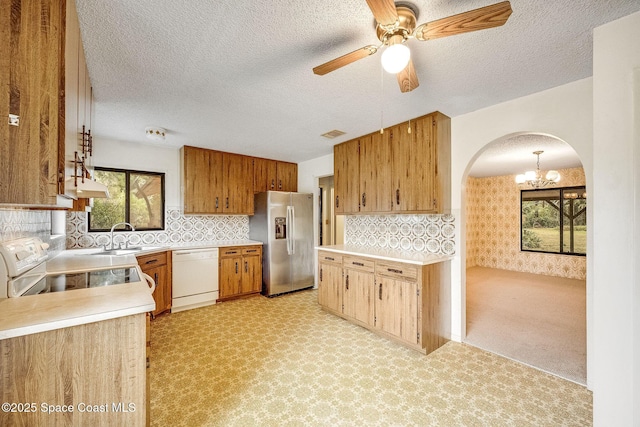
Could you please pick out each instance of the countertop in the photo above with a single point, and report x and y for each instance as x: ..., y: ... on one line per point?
x: 419, y: 258
x: 46, y: 312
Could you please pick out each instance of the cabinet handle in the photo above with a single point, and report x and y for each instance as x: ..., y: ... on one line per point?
x: 394, y: 270
x: 347, y: 282
x: 337, y: 201
x: 273, y: 184
x: 236, y: 267
x: 155, y: 277
x: 279, y: 184
x: 246, y: 267
x: 397, y: 196
x: 216, y: 202
x: 321, y: 275
x: 151, y: 261
x: 364, y: 199
x: 380, y: 292
x: 251, y: 250
x: 357, y: 263
x: 227, y: 203
x: 231, y: 252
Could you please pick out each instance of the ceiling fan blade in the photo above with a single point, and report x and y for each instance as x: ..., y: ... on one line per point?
x: 407, y: 78
x: 384, y: 11
x: 347, y: 59
x: 473, y: 20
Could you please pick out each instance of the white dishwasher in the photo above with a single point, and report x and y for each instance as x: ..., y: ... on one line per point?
x: 195, y: 278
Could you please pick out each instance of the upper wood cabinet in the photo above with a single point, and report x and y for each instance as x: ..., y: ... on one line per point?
x: 264, y: 175
x: 40, y: 78
x: 375, y: 175
x: 199, y: 180
x: 274, y: 175
x: 237, y: 184
x: 398, y: 171
x: 346, y: 167
x: 287, y: 176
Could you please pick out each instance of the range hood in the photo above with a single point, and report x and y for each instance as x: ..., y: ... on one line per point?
x: 88, y: 188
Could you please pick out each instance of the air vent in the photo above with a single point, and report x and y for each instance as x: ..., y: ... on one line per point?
x: 332, y: 134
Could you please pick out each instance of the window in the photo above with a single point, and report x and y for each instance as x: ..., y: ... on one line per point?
x: 554, y: 220
x: 136, y: 197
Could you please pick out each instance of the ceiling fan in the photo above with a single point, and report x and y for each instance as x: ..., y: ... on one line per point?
x: 396, y: 23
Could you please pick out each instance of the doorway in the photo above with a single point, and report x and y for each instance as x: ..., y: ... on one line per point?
x: 522, y: 302
x: 327, y: 223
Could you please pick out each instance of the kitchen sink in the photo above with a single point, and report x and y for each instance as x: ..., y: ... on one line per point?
x: 125, y: 251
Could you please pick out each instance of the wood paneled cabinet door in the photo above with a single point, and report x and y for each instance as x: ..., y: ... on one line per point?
x: 237, y: 184
x: 158, y: 266
x: 34, y: 84
x: 202, y: 180
x: 397, y: 308
x: 375, y: 173
x: 287, y: 176
x: 346, y: 171
x: 251, y: 274
x: 357, y: 294
x: 230, y: 276
x: 330, y: 281
x: 420, y: 162
x: 264, y: 175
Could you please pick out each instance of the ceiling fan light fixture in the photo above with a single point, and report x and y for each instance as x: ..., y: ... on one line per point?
x: 395, y: 58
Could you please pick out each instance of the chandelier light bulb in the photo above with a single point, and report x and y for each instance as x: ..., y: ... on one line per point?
x: 535, y: 178
x: 395, y: 58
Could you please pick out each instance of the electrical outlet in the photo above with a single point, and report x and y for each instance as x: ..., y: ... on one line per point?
x: 14, y: 120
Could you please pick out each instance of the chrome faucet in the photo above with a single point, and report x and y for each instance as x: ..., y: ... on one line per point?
x: 114, y: 226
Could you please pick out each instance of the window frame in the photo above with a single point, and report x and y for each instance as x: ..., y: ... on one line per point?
x: 561, y: 225
x: 127, y: 213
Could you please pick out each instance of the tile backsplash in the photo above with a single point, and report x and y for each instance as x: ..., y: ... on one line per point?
x: 179, y: 229
x: 412, y: 233
x: 17, y: 223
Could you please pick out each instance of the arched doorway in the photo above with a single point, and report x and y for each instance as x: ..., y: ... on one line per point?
x: 523, y: 303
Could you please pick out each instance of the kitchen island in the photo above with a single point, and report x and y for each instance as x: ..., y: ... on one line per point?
x: 403, y: 296
x: 76, y: 357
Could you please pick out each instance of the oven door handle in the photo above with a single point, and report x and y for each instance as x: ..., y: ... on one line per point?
x: 150, y: 282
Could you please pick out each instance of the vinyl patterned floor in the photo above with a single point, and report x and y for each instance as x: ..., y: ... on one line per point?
x: 285, y: 362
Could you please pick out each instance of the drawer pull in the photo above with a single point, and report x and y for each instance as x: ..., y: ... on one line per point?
x: 151, y: 261
x: 394, y: 270
x: 251, y: 250
x: 357, y: 263
x: 347, y: 282
x: 328, y: 258
x: 231, y: 252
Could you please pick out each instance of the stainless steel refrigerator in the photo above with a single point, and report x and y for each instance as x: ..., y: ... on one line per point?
x: 284, y: 223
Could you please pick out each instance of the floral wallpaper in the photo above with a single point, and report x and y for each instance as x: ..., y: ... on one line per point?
x: 493, y: 228
x: 413, y: 233
x: 179, y: 229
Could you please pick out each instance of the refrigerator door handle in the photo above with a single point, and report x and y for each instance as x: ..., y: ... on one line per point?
x: 291, y: 225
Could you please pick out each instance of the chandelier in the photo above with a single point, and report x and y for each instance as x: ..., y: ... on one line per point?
x: 535, y: 178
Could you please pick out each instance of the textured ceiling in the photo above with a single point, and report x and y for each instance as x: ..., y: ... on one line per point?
x: 514, y: 155
x: 236, y: 75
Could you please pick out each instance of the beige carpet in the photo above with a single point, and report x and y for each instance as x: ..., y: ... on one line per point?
x: 535, y: 319
x: 285, y: 362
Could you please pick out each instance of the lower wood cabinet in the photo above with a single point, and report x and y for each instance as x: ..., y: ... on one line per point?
x: 96, y: 370
x: 240, y: 271
x: 158, y: 266
x: 408, y: 303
